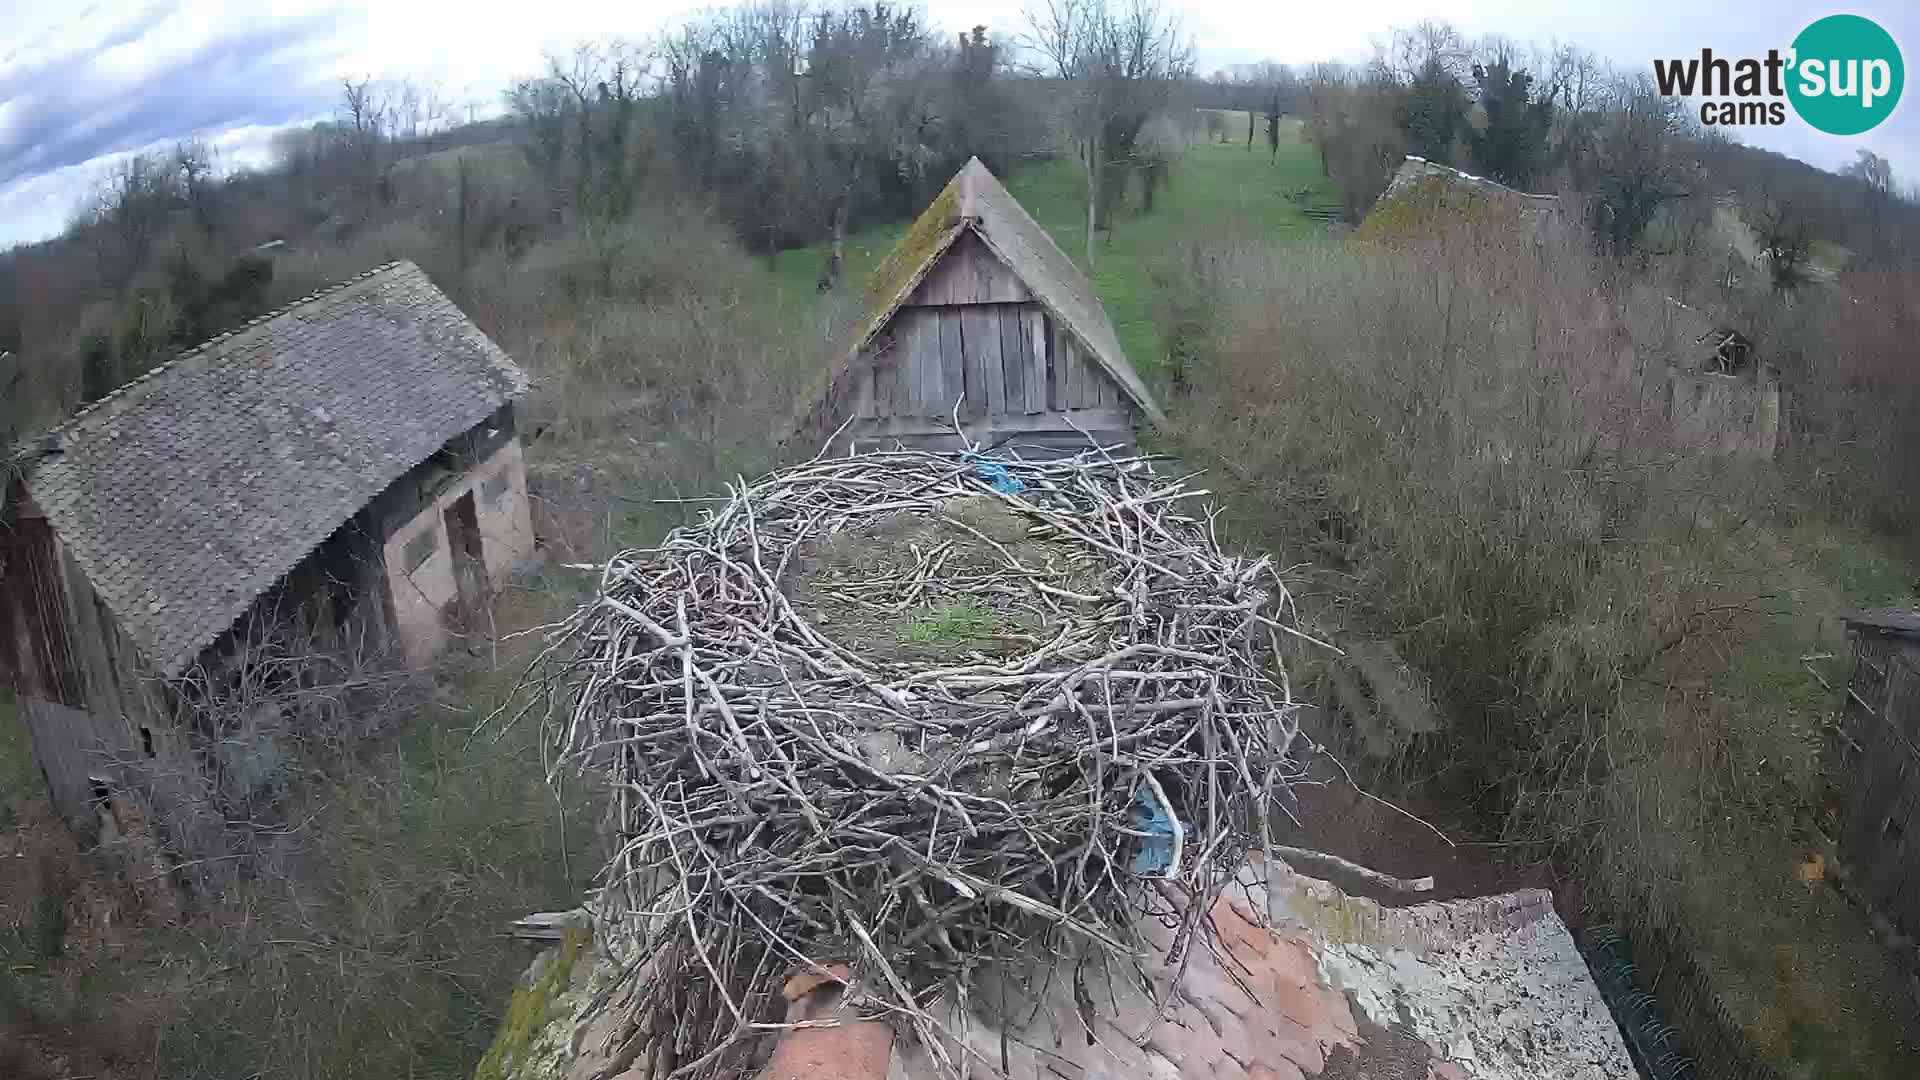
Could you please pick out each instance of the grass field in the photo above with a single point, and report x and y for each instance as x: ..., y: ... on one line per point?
x: 1216, y: 189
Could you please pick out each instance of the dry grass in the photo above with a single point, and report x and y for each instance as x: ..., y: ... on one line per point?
x: 1493, y: 492
x: 362, y: 937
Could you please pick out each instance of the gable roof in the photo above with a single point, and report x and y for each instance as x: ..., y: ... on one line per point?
x: 974, y: 200
x: 190, y: 491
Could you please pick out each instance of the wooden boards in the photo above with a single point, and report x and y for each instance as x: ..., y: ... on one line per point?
x: 1006, y: 359
x: 1078, y: 381
x: 1881, y: 837
x: 969, y: 274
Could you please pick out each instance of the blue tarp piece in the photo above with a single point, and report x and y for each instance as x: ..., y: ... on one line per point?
x: 1155, y: 851
x: 995, y: 474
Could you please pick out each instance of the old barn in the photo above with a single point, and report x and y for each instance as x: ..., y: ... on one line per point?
x: 978, y: 316
x: 347, y: 463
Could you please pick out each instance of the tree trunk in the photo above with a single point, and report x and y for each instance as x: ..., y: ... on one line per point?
x: 830, y: 274
x: 1093, y: 191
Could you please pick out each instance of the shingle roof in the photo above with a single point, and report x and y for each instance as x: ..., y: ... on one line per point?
x: 187, y: 493
x: 974, y: 199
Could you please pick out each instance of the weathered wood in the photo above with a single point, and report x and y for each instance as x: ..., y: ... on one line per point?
x: 980, y: 331
x: 970, y: 273
x: 1013, y: 360
x: 926, y: 364
x: 921, y: 365
x: 1034, y: 323
x: 1880, y: 839
x: 1072, y: 396
x: 865, y: 377
x: 1112, y: 420
x: 950, y: 379
x: 884, y: 356
x: 934, y: 289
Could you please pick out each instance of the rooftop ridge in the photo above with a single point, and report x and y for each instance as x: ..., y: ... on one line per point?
x: 193, y: 352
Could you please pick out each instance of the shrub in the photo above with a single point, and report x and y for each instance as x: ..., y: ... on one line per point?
x: 664, y: 364
x: 1445, y: 425
x: 1846, y: 361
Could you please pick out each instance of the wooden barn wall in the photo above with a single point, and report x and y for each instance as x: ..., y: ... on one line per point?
x: 87, y: 711
x: 969, y: 274
x: 1880, y: 839
x: 971, y: 328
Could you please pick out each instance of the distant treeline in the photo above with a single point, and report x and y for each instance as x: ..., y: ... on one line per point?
x: 1560, y: 119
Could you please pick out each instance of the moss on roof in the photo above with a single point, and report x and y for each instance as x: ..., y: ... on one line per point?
x: 910, y: 255
x: 1424, y: 206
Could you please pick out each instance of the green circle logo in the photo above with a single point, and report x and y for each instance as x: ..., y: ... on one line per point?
x: 1846, y: 75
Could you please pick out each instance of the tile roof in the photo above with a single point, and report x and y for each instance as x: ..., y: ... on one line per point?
x: 1295, y: 979
x: 190, y: 491
x: 975, y: 199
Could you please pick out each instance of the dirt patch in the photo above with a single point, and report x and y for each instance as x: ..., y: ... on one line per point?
x: 917, y: 589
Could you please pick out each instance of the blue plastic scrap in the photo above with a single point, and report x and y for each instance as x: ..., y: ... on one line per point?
x: 995, y: 474
x: 1155, y: 851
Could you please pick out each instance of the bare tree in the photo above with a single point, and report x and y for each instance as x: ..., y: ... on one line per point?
x: 588, y: 102
x: 367, y: 114
x: 193, y: 164
x: 1425, y: 46
x: 1119, y: 66
x: 127, y: 211
x: 1582, y: 78
x: 364, y: 106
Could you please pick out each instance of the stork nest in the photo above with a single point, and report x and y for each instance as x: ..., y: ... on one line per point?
x: 873, y: 712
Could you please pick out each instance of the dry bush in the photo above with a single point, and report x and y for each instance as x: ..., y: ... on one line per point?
x: 356, y: 927
x: 1450, y: 427
x: 664, y: 364
x: 365, y: 938
x: 316, y: 265
x: 1351, y: 121
x: 1846, y: 357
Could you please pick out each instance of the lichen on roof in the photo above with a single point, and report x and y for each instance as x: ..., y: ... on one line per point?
x: 1425, y: 197
x: 909, y: 257
x: 1421, y: 206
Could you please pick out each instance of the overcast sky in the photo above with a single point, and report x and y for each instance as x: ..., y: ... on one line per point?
x: 80, y: 88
